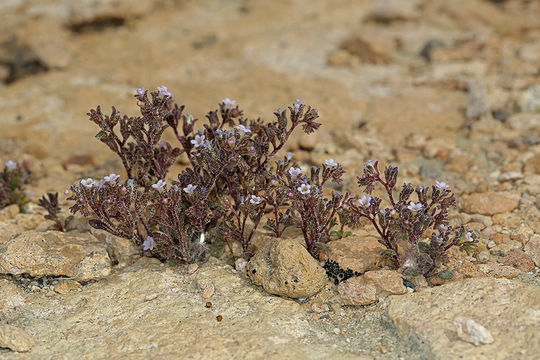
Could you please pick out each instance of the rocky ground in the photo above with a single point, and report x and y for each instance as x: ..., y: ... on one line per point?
x: 446, y: 90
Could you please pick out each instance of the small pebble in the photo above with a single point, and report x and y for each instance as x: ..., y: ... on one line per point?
x: 337, y: 331
x: 208, y: 291
x: 491, y: 244
x: 192, y: 268
x: 483, y: 256
x: 151, y: 297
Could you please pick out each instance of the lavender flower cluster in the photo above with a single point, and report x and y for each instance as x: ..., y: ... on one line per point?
x: 235, y: 179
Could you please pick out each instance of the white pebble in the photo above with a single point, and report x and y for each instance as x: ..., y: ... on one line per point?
x: 470, y: 331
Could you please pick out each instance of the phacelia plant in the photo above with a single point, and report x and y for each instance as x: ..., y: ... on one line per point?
x: 12, y: 181
x: 49, y: 202
x: 313, y: 212
x: 224, y: 189
x: 233, y: 183
x: 403, y: 224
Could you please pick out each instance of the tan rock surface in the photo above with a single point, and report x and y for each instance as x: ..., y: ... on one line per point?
x: 15, y: 339
x: 358, y: 253
x: 55, y: 253
x: 12, y: 298
x: 502, y: 306
x: 117, y: 319
x: 490, y: 203
x: 532, y: 249
x: 284, y: 267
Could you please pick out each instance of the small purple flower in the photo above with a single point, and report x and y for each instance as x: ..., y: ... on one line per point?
x: 441, y: 185
x: 295, y: 172
x: 189, y: 189
x: 331, y: 163
x: 289, y: 155
x: 88, y: 182
x: 141, y: 90
x: 198, y: 140
x: 159, y: 185
x: 231, y: 141
x: 469, y: 236
x: 415, y: 206
x: 243, y: 129
x: 148, y: 244
x: 11, y: 165
x: 297, y: 104
x: 29, y: 194
x: 228, y: 103
x: 255, y: 200
x: 111, y: 177
x: 304, y: 189
x: 164, y: 91
x: 365, y: 201
x: 443, y: 228
x: 67, y: 192
x: 369, y: 163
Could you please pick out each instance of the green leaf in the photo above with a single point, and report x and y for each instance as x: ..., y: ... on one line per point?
x: 445, y: 275
x: 388, y: 252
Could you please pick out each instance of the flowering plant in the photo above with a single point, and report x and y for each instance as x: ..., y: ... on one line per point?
x: 311, y: 211
x: 12, y: 180
x: 224, y: 189
x: 233, y: 179
x: 403, y: 223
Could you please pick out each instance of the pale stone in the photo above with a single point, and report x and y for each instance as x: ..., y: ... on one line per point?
x: 498, y: 270
x: 208, y: 290
x: 8, y: 231
x: 9, y: 212
x: 524, y: 121
x: 284, y: 267
x: 366, y: 289
x: 532, y: 249
x: 240, y: 265
x: 192, y: 268
x: 470, y: 331
x: 54, y: 253
x: 490, y: 203
x: 358, y: 253
x: 426, y: 318
x: 517, y: 259
x: 28, y: 221
x: 355, y: 291
x: 122, y: 251
x: 15, y: 339
x: 319, y: 308
x: 12, y: 298
x: 64, y: 286
x: 387, y: 282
